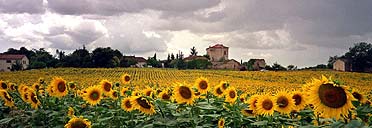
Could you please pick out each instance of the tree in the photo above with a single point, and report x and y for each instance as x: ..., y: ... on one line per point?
x: 172, y: 57
x: 193, y: 51
x: 331, y: 60
x: 104, y: 57
x: 17, y: 66
x: 291, y: 67
x: 42, y: 59
x: 278, y: 67
x: 360, y: 55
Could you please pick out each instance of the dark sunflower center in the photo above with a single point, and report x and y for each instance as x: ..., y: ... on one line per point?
x: 94, y: 95
x: 219, y: 91
x: 127, y: 78
x: 282, y: 102
x: 33, y: 98
x: 248, y: 111
x: 78, y: 124
x: 165, y: 96
x: 72, y: 86
x: 197, y: 93
x: 37, y: 86
x: 267, y: 104
x: 222, y: 123
x: 127, y: 104
x: 357, y: 96
x: 148, y: 93
x: 143, y: 103
x: 185, y: 92
x: 203, y: 85
x: 107, y: 87
x: 12, y: 86
x: 6, y: 96
x: 61, y: 87
x: 331, y: 96
x: 232, y: 94
x: 224, y: 86
x: 4, y: 86
x: 25, y: 96
x: 297, y: 99
x: 115, y: 94
x: 254, y: 103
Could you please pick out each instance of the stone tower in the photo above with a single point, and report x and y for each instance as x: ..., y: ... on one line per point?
x: 218, y: 52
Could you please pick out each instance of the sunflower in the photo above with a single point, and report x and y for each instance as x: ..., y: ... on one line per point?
x: 125, y: 79
x: 247, y: 112
x: 114, y: 94
x: 218, y: 91
x: 70, y: 112
x: 164, y: 95
x: 243, y: 97
x: 123, y: 91
x: 106, y: 86
x: 221, y: 123
x: 8, y: 100
x: 93, y: 95
x: 265, y: 105
x: 148, y: 92
x: 330, y: 100
x: 33, y: 100
x: 202, y: 85
x: 359, y: 96
x: 252, y: 102
x: 224, y: 85
x: 142, y: 104
x: 231, y: 95
x: 299, y: 99
x: 41, y: 80
x: 284, y: 102
x: 136, y: 93
x: 183, y: 94
x: 12, y: 86
x: 36, y: 86
x: 4, y: 86
x: 126, y: 104
x: 78, y: 122
x: 59, y: 87
x: 71, y: 85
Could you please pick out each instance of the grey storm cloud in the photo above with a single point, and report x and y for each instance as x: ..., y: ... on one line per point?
x: 21, y: 6
x: 116, y: 7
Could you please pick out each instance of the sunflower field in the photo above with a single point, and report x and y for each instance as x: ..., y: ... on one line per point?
x: 148, y: 97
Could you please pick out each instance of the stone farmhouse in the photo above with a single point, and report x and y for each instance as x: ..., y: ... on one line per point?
x: 219, y: 57
x: 7, y: 60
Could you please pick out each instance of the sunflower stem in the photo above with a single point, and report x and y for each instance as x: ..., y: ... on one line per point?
x: 161, y: 111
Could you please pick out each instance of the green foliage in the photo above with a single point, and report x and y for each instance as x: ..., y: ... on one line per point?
x: 198, y: 64
x: 360, y: 55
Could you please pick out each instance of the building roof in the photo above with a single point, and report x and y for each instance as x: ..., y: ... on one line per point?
x: 218, y: 46
x: 11, y: 57
x: 140, y: 59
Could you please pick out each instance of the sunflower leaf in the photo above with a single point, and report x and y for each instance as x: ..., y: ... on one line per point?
x: 260, y: 123
x: 6, y: 120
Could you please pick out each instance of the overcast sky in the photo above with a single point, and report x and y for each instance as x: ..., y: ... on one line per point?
x: 299, y: 32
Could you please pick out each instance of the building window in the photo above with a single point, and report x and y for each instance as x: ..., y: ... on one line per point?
x: 8, y: 67
x: 24, y: 62
x: 8, y: 61
x: 224, y: 52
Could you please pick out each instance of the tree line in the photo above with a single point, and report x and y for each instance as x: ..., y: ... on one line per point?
x: 100, y: 58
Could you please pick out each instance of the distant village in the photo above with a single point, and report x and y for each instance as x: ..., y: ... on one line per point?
x: 217, y: 57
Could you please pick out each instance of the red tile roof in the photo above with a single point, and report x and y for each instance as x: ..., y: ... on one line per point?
x: 11, y: 57
x: 218, y: 46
